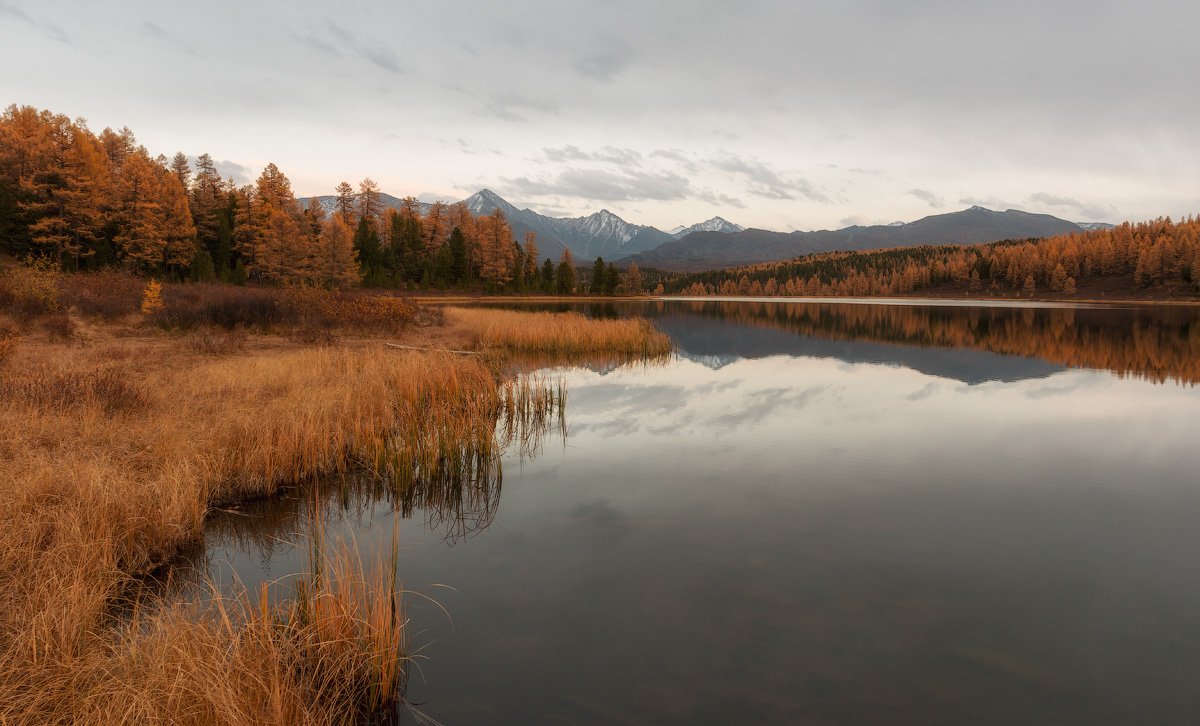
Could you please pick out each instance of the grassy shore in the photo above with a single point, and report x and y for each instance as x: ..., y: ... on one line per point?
x: 119, y: 431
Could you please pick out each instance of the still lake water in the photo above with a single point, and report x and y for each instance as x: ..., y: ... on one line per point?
x: 819, y: 513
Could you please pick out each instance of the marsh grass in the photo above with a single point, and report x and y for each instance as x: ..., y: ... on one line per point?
x: 560, y: 333
x: 113, y: 456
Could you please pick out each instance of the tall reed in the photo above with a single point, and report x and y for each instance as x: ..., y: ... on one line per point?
x: 565, y: 333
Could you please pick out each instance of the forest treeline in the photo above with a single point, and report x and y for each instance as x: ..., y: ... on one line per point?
x: 1155, y: 344
x: 89, y: 201
x: 1161, y: 254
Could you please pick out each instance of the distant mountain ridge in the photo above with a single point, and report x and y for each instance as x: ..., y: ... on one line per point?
x: 601, y: 234
x: 706, y: 250
x: 717, y: 242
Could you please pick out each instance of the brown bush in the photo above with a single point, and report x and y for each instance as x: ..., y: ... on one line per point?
x: 326, y: 310
x: 107, y: 293
x: 212, y: 305
x: 32, y: 289
x: 302, y: 312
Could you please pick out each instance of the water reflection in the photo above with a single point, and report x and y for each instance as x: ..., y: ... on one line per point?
x: 1158, y: 343
x: 823, y: 514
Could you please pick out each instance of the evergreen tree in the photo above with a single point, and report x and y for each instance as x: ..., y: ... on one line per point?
x: 346, y: 204
x: 599, y: 272
x: 612, y: 278
x: 201, y: 268
x: 338, y: 267
x: 458, y: 257
x: 564, y: 277
x: 366, y: 246
x: 182, y: 169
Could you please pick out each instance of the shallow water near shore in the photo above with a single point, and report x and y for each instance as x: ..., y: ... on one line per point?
x: 814, y: 512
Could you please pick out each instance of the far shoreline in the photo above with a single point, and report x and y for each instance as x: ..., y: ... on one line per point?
x: 941, y: 301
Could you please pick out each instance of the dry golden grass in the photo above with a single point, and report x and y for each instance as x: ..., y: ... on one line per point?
x: 560, y: 333
x: 115, y: 446
x: 112, y: 455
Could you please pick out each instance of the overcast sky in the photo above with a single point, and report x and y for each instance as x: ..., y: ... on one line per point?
x: 783, y: 115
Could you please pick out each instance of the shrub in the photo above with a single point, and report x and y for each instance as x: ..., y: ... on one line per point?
x: 152, y: 298
x: 33, y: 288
x: 186, y: 307
x: 305, y: 311
x: 106, y: 293
x: 322, y: 309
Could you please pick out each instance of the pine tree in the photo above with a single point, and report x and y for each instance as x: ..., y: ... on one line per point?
x: 210, y: 212
x: 548, y: 284
x: 458, y: 257
x: 370, y: 207
x: 497, y: 250
x: 531, y: 256
x: 201, y: 268
x: 633, y: 279
x: 142, y: 237
x: 278, y: 251
x: 435, y: 227
x: 179, y: 232
x: 565, y: 275
x: 612, y: 278
x: 366, y: 246
x: 182, y: 169
x: 598, y: 277
x: 67, y: 196
x: 339, y: 266
x: 346, y: 204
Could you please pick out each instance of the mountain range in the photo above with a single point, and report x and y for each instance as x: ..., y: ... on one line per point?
x: 717, y: 242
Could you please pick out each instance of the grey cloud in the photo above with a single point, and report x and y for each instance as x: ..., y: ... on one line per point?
x: 51, y: 30
x: 240, y: 173
x: 679, y: 157
x: 378, y: 54
x: 1093, y: 212
x: 157, y: 31
x: 603, y: 66
x: 718, y: 198
x: 766, y: 182
x: 927, y: 196
x: 606, y: 186
x: 510, y: 107
x: 318, y: 43
x: 607, y: 155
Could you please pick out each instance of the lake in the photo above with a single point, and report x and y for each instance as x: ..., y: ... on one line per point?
x: 815, y: 512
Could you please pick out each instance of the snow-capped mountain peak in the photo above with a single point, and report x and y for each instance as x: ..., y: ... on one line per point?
x: 485, y: 201
x: 716, y: 224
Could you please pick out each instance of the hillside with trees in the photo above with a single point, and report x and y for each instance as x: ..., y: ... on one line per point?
x: 1155, y: 259
x: 89, y: 201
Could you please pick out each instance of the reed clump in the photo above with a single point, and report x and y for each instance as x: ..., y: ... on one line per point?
x: 334, y: 652
x: 560, y: 333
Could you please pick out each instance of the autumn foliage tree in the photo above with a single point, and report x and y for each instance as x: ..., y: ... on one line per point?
x: 84, y: 200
